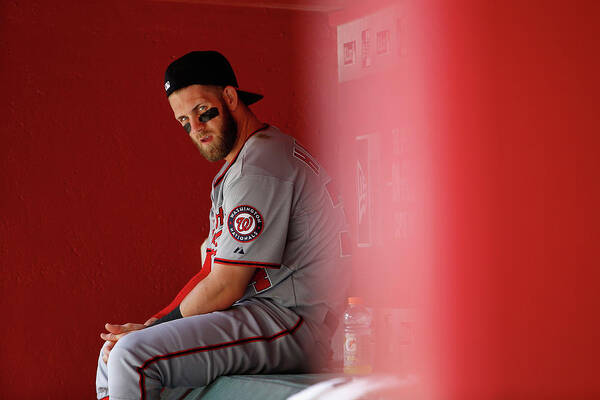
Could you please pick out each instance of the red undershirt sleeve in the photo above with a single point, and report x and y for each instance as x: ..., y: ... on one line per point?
x: 188, y: 286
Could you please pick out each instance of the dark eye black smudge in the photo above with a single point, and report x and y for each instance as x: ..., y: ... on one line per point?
x: 187, y: 127
x: 208, y: 115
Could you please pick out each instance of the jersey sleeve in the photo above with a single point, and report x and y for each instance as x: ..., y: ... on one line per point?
x: 257, y: 212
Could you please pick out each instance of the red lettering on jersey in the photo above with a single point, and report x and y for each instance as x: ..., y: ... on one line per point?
x: 206, y: 267
x: 261, y: 280
x: 219, y: 218
x: 215, y: 237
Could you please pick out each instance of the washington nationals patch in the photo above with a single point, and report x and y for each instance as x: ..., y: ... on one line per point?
x: 245, y: 223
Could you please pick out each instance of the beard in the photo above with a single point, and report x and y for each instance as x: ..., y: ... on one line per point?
x: 222, y: 143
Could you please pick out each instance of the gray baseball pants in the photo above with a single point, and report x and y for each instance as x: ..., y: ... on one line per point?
x: 254, y: 337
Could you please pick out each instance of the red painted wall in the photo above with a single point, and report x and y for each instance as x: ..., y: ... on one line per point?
x: 104, y: 199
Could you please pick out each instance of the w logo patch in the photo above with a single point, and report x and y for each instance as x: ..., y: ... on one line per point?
x: 245, y: 223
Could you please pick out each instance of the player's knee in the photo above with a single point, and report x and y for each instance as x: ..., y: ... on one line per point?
x: 125, y: 352
x: 102, y: 348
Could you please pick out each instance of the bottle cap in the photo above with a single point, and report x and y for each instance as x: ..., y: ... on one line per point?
x: 355, y: 300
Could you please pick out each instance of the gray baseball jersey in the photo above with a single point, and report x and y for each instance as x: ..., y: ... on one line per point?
x: 274, y: 208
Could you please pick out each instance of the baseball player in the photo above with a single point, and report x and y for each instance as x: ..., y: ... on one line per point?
x: 268, y: 296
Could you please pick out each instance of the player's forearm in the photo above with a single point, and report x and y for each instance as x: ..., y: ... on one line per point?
x: 209, y: 295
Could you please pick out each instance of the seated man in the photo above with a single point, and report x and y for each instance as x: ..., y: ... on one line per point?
x: 269, y: 294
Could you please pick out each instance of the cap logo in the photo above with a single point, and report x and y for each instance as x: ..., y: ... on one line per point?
x: 167, y: 85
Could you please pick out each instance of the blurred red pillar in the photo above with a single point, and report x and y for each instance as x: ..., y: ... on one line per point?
x: 482, y: 193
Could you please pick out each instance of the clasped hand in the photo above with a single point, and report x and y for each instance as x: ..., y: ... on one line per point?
x: 116, y: 332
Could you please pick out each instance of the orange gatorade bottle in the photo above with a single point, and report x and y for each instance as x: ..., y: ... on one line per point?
x: 357, y: 338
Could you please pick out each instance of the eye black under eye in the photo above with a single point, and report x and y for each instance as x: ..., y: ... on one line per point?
x: 187, y: 127
x: 209, y: 114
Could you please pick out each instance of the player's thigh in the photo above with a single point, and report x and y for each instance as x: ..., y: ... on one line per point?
x: 254, y: 338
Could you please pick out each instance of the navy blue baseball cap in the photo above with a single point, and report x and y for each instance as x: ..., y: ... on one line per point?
x: 204, y: 68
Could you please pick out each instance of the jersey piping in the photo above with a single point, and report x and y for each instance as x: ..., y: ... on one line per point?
x: 239, y: 342
x: 247, y: 263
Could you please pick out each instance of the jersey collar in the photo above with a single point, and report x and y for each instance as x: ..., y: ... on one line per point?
x: 222, y: 175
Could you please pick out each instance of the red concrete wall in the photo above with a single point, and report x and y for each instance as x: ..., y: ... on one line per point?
x: 104, y: 199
